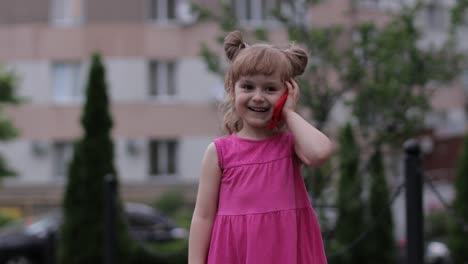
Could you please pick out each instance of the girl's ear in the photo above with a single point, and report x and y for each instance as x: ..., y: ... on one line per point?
x: 233, y: 44
x: 232, y: 95
x: 298, y: 58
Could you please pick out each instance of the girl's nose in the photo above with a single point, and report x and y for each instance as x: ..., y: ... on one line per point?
x: 258, y: 96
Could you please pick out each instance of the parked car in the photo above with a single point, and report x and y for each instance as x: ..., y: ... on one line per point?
x: 34, y: 241
x: 435, y: 252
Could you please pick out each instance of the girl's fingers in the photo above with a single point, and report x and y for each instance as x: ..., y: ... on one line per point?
x: 294, y: 87
x: 288, y: 86
x: 294, y: 84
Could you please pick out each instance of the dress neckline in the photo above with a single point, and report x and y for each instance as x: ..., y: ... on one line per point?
x: 257, y: 140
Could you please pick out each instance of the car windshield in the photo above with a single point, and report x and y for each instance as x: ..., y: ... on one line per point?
x: 32, y: 224
x: 47, y: 222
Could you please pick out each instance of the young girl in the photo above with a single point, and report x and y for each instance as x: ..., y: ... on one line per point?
x: 252, y: 206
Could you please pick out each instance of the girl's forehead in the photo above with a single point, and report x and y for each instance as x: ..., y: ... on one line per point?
x: 273, y: 78
x: 261, y: 60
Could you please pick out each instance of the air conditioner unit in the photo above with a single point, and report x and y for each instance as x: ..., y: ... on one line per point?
x: 39, y: 148
x: 133, y: 147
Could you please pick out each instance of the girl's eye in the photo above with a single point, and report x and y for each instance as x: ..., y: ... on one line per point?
x: 271, y: 89
x: 247, y: 87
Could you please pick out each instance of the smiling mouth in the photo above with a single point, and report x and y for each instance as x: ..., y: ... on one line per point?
x: 258, y: 109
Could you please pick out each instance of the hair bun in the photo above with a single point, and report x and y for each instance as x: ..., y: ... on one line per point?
x: 299, y: 58
x: 233, y: 44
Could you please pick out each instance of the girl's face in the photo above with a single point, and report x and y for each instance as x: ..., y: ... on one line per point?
x: 254, y: 99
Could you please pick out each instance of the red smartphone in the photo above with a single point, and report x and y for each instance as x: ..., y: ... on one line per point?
x: 277, y: 110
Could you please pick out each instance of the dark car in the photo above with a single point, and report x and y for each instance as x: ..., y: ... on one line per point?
x: 34, y: 241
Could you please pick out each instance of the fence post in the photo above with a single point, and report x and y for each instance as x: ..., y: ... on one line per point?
x: 414, y: 209
x: 109, y: 219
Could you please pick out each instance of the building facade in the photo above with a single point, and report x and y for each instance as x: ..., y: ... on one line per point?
x: 164, y: 100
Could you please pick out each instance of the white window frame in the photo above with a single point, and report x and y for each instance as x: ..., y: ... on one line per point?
x: 162, y: 83
x: 465, y: 79
x: 62, y: 153
x: 383, y: 5
x: 69, y: 87
x: 164, y: 158
x: 67, y: 12
x: 436, y: 16
x: 372, y: 4
x: 260, y: 12
x: 162, y: 16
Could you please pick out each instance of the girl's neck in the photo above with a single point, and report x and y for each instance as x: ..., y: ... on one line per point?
x: 256, y: 134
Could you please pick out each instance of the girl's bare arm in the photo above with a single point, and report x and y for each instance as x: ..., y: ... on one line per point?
x: 311, y: 146
x: 205, y: 207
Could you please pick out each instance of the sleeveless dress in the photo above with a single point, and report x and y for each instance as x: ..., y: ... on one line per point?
x: 264, y: 214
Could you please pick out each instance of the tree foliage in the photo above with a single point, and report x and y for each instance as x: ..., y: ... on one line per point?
x: 390, y: 74
x: 380, y: 215
x: 83, y: 229
x: 459, y: 234
x: 382, y: 74
x: 8, y: 81
x: 350, y: 206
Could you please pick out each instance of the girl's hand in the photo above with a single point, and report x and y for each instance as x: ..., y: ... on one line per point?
x: 293, y: 96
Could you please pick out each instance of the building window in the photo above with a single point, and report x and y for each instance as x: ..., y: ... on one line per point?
x: 257, y: 12
x: 67, y: 12
x: 465, y: 80
x: 66, y: 82
x: 436, y: 16
x: 62, y: 154
x: 381, y: 4
x: 162, y: 79
x: 372, y: 4
x: 162, y: 10
x: 163, y: 157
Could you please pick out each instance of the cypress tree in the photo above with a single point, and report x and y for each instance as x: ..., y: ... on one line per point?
x: 380, y: 241
x: 7, y: 130
x: 82, y: 235
x: 459, y: 235
x: 350, y: 223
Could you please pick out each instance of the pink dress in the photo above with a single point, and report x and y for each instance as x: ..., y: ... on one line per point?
x: 264, y: 214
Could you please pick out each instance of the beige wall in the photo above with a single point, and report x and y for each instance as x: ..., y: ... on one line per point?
x: 39, y: 42
x: 132, y: 168
x: 115, y: 10
x: 23, y: 11
x: 130, y: 120
x: 192, y: 112
x: 96, y: 11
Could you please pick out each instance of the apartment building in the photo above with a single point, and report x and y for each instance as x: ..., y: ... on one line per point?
x: 164, y: 101
x: 163, y: 98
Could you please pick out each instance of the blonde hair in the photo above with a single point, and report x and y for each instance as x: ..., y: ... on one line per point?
x: 245, y: 60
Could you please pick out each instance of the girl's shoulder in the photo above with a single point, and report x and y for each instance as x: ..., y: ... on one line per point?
x: 222, y: 145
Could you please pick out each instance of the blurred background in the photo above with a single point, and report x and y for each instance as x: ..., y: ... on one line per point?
x: 380, y: 72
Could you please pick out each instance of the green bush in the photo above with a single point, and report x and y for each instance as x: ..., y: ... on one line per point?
x: 170, y: 202
x: 436, y: 225
x: 175, y: 252
x: 5, y: 219
x: 145, y: 255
